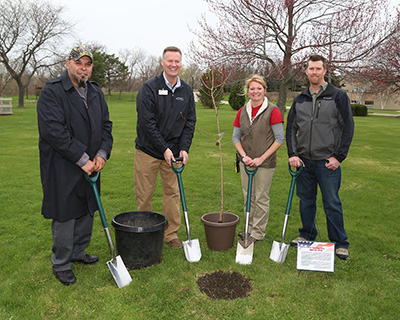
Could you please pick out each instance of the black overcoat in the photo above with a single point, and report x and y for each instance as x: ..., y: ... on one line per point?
x: 67, y: 129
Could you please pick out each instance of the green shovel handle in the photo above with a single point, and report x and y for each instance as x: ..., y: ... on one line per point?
x: 294, y: 175
x: 92, y: 180
x: 177, y: 170
x: 297, y: 172
x: 251, y: 174
x: 178, y: 175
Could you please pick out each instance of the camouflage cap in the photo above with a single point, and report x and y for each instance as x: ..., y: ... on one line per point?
x: 79, y: 52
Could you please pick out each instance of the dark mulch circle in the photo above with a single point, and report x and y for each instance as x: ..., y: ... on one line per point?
x: 224, y: 285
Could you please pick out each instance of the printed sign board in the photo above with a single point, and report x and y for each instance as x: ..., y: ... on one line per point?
x: 316, y: 256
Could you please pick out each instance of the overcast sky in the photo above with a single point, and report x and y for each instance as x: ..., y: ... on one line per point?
x: 150, y: 25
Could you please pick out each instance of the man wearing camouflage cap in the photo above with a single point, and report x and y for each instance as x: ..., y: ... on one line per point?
x: 74, y: 137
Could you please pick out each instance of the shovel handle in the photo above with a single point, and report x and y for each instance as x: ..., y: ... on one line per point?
x: 177, y: 170
x: 182, y: 194
x: 294, y: 175
x: 92, y: 180
x: 178, y: 174
x: 251, y: 174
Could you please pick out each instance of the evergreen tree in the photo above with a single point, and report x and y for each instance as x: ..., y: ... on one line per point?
x: 237, y: 97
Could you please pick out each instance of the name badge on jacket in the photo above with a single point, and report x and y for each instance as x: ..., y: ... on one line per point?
x: 163, y: 92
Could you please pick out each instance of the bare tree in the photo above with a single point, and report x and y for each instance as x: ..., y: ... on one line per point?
x: 132, y: 59
x: 380, y: 73
x: 29, y: 35
x: 191, y: 74
x: 148, y: 68
x: 277, y: 35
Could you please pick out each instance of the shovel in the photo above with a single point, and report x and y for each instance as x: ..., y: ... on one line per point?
x: 244, y: 251
x: 279, y: 249
x: 116, y: 265
x: 191, y: 246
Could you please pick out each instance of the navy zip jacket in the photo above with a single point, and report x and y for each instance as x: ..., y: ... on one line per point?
x: 326, y: 132
x: 165, y: 119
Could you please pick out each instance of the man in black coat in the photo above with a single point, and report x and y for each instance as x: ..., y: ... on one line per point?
x: 74, y: 137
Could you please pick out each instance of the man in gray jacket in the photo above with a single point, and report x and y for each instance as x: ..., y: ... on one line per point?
x: 319, y: 132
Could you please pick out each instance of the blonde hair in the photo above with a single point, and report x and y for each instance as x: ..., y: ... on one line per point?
x: 256, y: 78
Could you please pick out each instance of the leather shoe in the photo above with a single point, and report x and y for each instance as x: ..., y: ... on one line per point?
x: 175, y: 243
x: 342, y: 253
x: 87, y: 259
x: 66, y: 277
x: 241, y: 235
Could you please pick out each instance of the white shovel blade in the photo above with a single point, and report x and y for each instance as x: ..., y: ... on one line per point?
x: 192, y: 250
x: 279, y: 254
x: 119, y: 272
x: 244, y: 255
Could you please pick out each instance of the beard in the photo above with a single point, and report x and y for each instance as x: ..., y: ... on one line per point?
x: 82, y: 83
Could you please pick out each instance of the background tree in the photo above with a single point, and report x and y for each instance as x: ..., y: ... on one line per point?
x: 99, y: 68
x: 237, y: 97
x: 148, y: 68
x: 212, y: 88
x: 116, y: 73
x: 191, y: 74
x: 278, y: 35
x: 382, y: 71
x: 108, y: 71
x: 30, y: 33
x: 132, y: 59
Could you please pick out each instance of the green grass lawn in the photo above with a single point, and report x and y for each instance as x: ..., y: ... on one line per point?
x: 366, y: 286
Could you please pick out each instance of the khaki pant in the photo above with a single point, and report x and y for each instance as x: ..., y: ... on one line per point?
x: 145, y: 173
x: 259, y: 207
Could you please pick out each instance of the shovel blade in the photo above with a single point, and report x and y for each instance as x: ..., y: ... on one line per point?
x: 119, y: 272
x: 279, y: 251
x: 192, y: 250
x: 244, y: 255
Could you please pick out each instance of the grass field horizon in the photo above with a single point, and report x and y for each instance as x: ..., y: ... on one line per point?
x: 363, y: 287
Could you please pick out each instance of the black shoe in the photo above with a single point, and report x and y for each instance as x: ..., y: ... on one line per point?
x: 87, y: 259
x: 241, y: 235
x: 66, y: 277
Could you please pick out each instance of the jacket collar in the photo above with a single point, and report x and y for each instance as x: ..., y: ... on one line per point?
x: 75, y: 99
x: 67, y: 83
x: 248, y: 107
x: 327, y: 91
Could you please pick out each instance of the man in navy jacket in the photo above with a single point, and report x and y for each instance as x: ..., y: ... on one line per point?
x: 165, y: 127
x: 74, y: 137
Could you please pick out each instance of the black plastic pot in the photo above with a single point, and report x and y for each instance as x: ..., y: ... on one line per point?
x: 139, y: 237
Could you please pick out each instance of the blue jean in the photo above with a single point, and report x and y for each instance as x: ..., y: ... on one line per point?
x: 315, y: 173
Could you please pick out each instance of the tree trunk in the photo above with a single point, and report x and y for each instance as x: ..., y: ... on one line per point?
x: 21, y: 94
x: 281, y: 103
